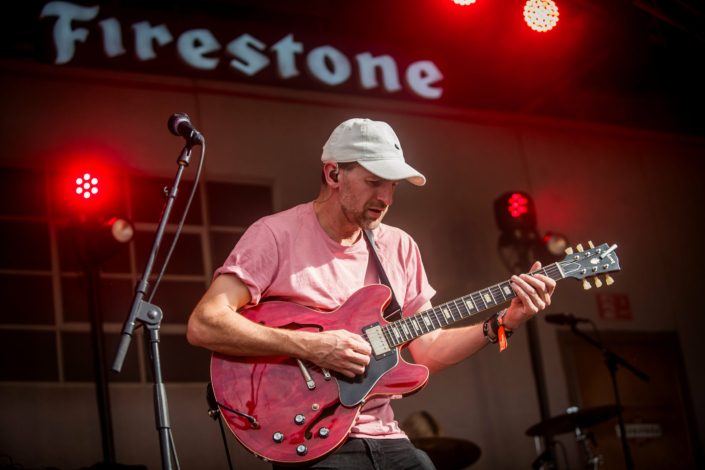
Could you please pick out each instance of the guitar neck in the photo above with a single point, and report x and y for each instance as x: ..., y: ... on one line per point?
x: 421, y: 323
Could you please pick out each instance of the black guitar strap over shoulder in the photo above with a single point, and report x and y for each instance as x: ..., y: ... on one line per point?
x: 393, y: 311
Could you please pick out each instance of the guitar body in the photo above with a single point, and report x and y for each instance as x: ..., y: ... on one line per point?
x: 273, y: 389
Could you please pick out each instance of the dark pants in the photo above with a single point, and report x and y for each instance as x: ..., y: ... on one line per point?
x: 374, y: 454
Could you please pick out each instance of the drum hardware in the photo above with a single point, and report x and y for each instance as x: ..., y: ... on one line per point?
x: 575, y: 421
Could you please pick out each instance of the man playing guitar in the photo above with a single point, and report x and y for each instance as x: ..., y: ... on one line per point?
x: 315, y: 255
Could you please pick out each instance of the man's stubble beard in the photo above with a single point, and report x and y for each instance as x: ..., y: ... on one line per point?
x: 348, y: 203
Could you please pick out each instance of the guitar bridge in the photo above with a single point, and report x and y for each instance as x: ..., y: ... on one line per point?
x: 377, y: 340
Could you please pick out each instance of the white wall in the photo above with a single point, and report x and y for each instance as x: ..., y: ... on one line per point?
x: 590, y: 182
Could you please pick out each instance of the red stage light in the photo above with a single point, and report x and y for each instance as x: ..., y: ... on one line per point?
x: 87, y: 186
x: 515, y: 211
x: 517, y: 204
x: 464, y: 2
x: 541, y: 15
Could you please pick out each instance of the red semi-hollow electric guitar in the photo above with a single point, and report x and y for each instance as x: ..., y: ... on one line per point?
x: 304, y: 412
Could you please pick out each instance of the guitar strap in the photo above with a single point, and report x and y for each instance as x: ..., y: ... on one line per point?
x: 393, y: 311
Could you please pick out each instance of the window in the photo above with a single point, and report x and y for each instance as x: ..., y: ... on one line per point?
x: 45, y: 313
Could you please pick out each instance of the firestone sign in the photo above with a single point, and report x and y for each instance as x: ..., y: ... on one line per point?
x: 199, y: 50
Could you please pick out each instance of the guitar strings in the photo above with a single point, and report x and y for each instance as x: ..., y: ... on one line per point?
x: 552, y: 271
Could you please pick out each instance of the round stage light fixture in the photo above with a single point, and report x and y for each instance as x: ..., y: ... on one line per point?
x: 541, y: 15
x: 121, y: 229
x: 555, y: 243
x: 464, y: 2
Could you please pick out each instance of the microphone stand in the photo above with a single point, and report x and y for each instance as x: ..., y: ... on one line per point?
x: 612, y: 360
x: 547, y: 459
x: 150, y: 316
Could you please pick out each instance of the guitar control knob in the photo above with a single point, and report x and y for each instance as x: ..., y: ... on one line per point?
x: 323, y: 433
x: 300, y: 419
x: 302, y: 450
x: 278, y: 437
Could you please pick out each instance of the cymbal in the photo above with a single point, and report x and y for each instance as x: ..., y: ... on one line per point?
x: 568, y: 422
x: 448, y: 453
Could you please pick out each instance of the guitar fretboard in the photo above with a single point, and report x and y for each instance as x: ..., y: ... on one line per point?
x: 413, y: 326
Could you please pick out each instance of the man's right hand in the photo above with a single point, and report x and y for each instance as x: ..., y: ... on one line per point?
x: 339, y: 350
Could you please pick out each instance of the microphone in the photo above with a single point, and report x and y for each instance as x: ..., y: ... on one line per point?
x: 180, y: 124
x: 564, y: 319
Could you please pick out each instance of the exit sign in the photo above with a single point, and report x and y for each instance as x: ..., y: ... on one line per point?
x: 614, y: 307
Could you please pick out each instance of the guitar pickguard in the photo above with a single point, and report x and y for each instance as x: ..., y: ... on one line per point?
x: 354, y: 390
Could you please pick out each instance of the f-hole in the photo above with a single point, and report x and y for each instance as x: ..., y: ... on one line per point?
x: 298, y: 326
x: 328, y: 411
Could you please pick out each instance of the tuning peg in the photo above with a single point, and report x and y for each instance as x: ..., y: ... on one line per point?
x: 609, y: 279
x: 591, y: 245
x: 579, y: 247
x: 598, y: 283
x: 586, y: 284
x: 569, y: 251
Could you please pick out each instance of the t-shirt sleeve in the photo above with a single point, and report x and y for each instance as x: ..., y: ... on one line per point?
x: 418, y: 290
x: 255, y: 260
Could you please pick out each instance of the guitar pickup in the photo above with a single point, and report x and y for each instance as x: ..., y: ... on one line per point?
x: 377, y: 340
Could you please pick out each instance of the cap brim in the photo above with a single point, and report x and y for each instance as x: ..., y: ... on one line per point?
x: 393, y: 170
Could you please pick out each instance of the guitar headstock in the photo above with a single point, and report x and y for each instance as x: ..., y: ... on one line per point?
x: 591, y: 262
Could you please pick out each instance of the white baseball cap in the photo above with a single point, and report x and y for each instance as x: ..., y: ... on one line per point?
x: 372, y: 144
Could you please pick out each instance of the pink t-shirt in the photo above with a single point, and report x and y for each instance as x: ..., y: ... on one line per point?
x: 288, y: 256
